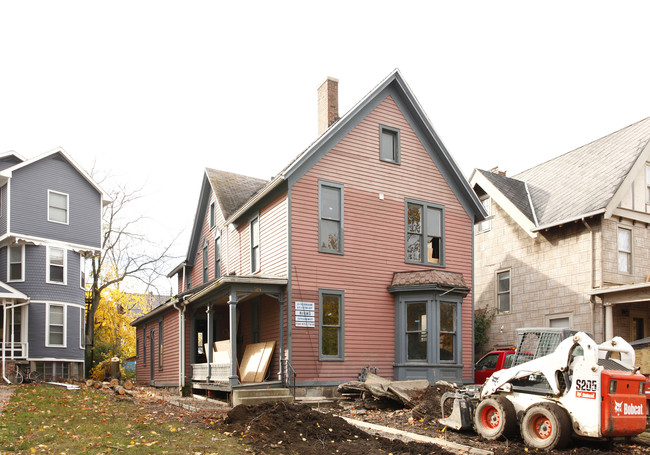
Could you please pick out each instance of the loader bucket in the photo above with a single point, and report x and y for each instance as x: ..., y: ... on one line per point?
x: 461, y: 412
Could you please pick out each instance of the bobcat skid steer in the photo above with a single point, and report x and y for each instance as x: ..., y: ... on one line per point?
x: 577, y: 389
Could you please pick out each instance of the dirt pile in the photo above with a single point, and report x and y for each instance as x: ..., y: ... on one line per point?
x: 299, y: 429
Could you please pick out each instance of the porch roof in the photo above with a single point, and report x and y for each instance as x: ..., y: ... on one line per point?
x: 7, y: 292
x: 626, y: 293
x: 428, y: 280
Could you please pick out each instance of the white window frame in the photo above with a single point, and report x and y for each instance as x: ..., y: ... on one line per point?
x: 47, y: 325
x: 486, y: 224
x: 22, y: 260
x: 619, y: 251
x: 82, y: 272
x: 65, y: 266
x: 509, y: 292
x: 82, y: 326
x: 67, y: 207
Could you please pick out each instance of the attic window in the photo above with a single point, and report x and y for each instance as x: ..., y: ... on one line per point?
x: 389, y: 147
x: 486, y: 224
x: 211, y: 215
x: 57, y: 207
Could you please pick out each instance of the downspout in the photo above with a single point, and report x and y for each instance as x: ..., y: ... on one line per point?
x: 592, y: 303
x: 289, y: 287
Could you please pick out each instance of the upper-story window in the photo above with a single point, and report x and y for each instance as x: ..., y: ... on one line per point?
x: 16, y: 263
x: 647, y: 187
x: 82, y: 272
x: 330, y: 208
x: 503, y: 291
x: 57, y: 207
x: 217, y: 255
x: 624, y: 250
x: 424, y: 233
x: 205, y: 260
x: 486, y: 224
x: 389, y: 147
x: 211, y: 215
x: 255, y: 244
x: 56, y: 265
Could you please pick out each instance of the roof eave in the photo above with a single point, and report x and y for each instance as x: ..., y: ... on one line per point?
x: 569, y: 220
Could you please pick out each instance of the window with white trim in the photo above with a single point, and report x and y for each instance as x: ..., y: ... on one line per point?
x: 16, y: 266
x: 82, y: 271
x: 82, y: 325
x: 624, y: 240
x: 486, y: 224
x: 503, y: 291
x: 57, y: 207
x: 56, y: 265
x: 56, y: 325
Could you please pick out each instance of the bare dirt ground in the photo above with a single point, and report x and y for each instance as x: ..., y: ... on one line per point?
x: 274, y: 428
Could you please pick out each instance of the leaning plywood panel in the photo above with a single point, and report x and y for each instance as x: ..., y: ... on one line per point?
x: 255, y: 360
x: 265, y: 361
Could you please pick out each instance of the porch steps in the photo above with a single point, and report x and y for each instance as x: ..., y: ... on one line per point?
x: 257, y: 396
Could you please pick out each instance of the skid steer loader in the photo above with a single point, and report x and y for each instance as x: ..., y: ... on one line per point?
x: 577, y: 389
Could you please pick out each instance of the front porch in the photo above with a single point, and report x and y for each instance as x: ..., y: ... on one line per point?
x: 236, y: 335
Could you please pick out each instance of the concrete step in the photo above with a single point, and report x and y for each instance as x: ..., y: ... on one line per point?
x: 261, y: 399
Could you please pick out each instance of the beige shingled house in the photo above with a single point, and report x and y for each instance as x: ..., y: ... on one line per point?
x: 567, y: 243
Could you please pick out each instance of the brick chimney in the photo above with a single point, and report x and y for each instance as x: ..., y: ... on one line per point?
x: 496, y: 170
x: 328, y: 103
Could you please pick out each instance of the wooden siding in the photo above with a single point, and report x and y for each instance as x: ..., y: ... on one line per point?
x: 168, y: 375
x: 374, y: 245
x: 273, y: 237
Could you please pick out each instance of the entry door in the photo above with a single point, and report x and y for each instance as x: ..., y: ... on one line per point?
x: 152, y: 350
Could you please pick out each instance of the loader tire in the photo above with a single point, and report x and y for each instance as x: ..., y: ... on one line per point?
x: 495, y: 417
x: 546, y: 426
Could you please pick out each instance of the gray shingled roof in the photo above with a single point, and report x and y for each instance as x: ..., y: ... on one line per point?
x: 579, y: 182
x: 233, y: 190
x: 513, y: 189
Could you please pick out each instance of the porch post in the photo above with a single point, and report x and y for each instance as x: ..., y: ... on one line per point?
x: 281, y: 341
x: 208, y: 354
x: 609, y: 322
x: 233, y: 379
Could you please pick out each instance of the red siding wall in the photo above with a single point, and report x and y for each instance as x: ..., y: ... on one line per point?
x: 168, y: 375
x: 374, y: 245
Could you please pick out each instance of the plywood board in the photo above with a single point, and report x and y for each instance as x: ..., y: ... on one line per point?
x: 255, y: 361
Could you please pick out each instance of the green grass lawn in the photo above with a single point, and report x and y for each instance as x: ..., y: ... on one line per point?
x: 47, y: 419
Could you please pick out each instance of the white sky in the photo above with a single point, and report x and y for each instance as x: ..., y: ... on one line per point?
x: 155, y: 91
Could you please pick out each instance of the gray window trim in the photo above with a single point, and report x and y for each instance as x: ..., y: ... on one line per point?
x: 217, y: 254
x: 397, y: 153
x: 254, y: 218
x: 206, y: 264
x: 160, y: 343
x: 144, y: 344
x: 340, y: 186
x: 341, y: 294
x: 433, y: 301
x: 212, y: 214
x: 443, y: 242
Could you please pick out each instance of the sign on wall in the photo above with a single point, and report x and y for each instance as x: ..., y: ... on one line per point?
x: 305, y: 314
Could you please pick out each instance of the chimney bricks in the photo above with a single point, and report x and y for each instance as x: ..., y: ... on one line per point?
x: 328, y: 103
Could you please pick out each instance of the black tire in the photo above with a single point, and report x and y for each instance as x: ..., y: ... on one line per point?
x: 34, y: 376
x: 15, y: 377
x: 546, y: 426
x: 495, y: 417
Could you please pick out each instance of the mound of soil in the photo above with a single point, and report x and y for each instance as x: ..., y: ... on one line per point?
x: 299, y: 429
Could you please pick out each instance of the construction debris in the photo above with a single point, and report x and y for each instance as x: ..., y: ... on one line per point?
x: 379, y: 393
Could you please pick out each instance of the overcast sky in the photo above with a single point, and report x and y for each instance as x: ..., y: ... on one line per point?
x: 155, y: 91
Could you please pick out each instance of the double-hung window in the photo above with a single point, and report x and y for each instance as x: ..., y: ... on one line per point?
x: 217, y: 255
x: 160, y: 344
x: 624, y: 250
x: 503, y: 291
x: 56, y: 265
x: 56, y: 325
x: 416, y: 331
x: 57, y: 207
x: 331, y: 325
x: 205, y: 260
x: 647, y: 187
x: 211, y: 215
x: 16, y: 263
x: 330, y: 208
x: 255, y: 244
x: 424, y: 233
x: 389, y: 147
x: 486, y: 224
x: 447, y: 331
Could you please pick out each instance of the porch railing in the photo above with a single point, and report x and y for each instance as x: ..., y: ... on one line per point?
x: 14, y: 349
x: 219, y: 372
x: 291, y: 377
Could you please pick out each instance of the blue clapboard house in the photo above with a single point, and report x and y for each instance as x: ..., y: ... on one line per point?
x: 50, y: 224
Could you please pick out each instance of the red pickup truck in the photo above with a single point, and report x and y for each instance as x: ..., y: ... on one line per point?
x: 491, y: 362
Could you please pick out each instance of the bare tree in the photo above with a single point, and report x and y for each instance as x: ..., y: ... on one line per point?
x: 126, y: 254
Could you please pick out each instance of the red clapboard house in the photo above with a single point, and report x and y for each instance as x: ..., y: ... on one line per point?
x: 357, y: 254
